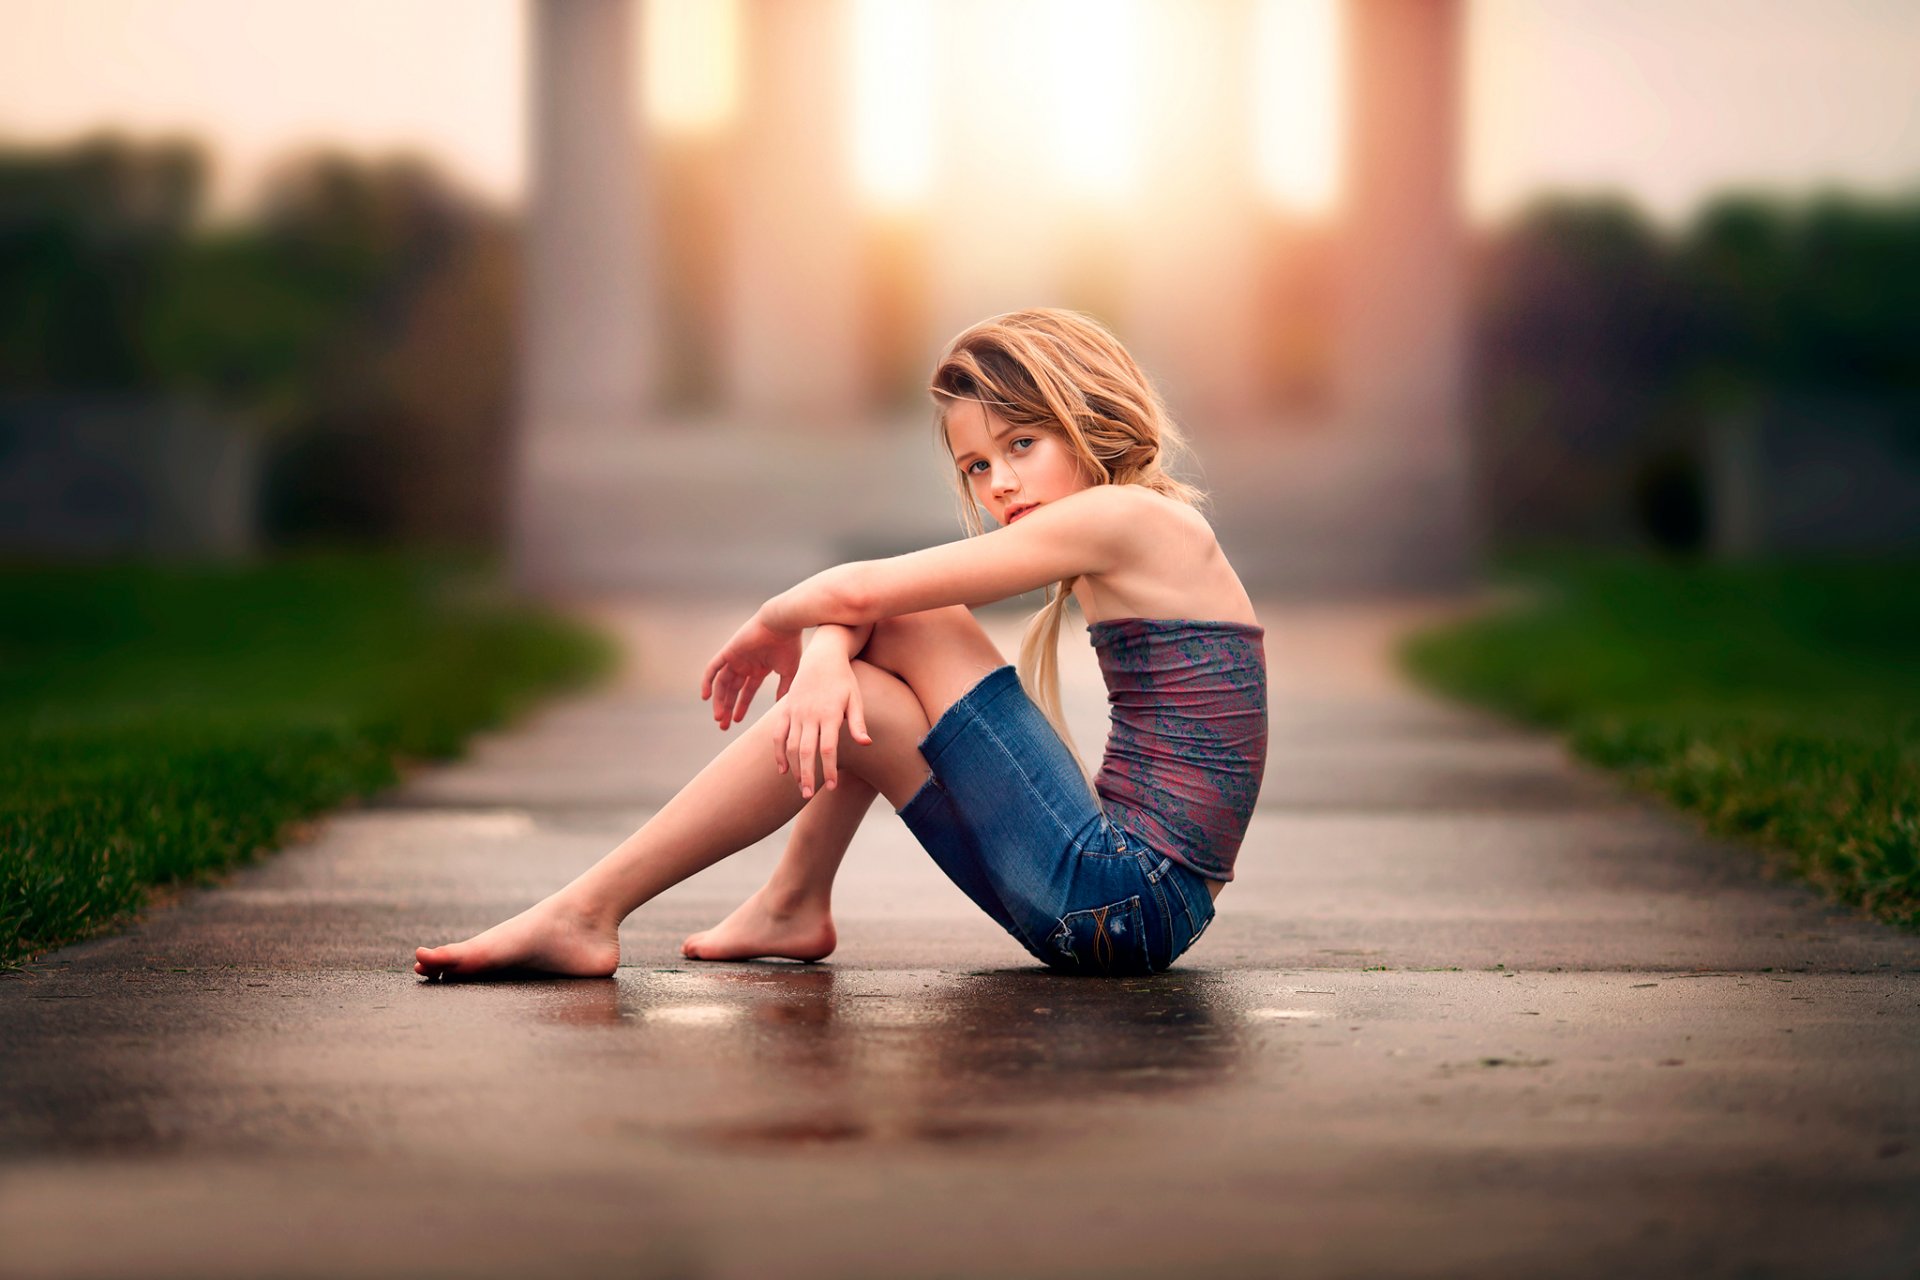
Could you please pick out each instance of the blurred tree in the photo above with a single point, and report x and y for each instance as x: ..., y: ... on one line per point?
x: 1612, y: 358
x: 232, y: 322
x: 1853, y: 295
x: 1581, y: 324
x: 363, y: 318
x: 1732, y: 266
x: 85, y: 237
x: 405, y: 431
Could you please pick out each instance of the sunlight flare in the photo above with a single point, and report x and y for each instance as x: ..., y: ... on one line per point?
x: 1298, y: 114
x: 1095, y: 108
x: 893, y: 101
x: 690, y: 64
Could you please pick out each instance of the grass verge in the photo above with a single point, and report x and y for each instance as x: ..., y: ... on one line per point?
x: 1780, y: 702
x: 160, y: 724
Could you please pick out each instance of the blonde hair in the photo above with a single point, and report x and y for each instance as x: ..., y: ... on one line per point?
x: 1062, y: 372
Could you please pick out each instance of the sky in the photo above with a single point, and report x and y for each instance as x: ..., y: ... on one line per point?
x: 1666, y: 100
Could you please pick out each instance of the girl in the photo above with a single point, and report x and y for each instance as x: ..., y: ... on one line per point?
x: 1056, y: 433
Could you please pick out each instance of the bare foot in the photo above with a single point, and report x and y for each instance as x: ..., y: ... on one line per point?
x: 756, y: 929
x: 547, y: 937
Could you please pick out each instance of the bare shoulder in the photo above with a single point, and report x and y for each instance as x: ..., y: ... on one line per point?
x: 1170, y: 566
x: 1132, y: 519
x: 1160, y: 517
x: 1132, y: 502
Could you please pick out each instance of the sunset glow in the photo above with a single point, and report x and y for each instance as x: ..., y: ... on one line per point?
x: 690, y: 64
x: 1658, y: 101
x: 1074, y: 84
x: 1094, y: 109
x: 893, y: 101
x: 1068, y: 87
x: 1298, y: 118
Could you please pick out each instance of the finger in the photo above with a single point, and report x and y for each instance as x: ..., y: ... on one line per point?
x: 745, y: 699
x: 793, y: 747
x: 780, y: 731
x: 809, y: 744
x: 830, y: 755
x: 706, y: 678
x: 786, y: 683
x: 857, y: 718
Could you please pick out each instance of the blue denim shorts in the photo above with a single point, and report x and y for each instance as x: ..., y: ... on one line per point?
x: 1008, y: 815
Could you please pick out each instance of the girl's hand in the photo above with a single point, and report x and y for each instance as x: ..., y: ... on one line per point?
x: 825, y: 695
x: 743, y: 664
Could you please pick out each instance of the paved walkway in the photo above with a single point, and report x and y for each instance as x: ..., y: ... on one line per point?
x: 1468, y: 1008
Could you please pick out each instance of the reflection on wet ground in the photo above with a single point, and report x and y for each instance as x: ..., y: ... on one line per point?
x: 732, y: 1055
x: 864, y: 1060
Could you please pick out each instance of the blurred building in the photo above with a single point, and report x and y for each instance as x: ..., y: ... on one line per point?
x: 726, y: 325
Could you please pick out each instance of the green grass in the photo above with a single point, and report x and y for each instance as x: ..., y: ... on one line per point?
x: 1780, y: 702
x: 158, y: 725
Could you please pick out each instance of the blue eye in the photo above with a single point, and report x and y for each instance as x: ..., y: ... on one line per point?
x: 1026, y: 440
x: 977, y: 462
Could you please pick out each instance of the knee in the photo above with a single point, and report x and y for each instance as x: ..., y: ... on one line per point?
x: 916, y: 627
x: 891, y: 762
x: 889, y: 702
x: 905, y: 635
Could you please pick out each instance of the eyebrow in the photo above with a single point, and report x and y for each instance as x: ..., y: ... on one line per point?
x: 1009, y: 429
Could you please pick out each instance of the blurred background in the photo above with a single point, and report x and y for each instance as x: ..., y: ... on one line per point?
x: 642, y: 294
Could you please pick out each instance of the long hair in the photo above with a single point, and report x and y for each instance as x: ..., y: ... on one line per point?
x: 1062, y: 372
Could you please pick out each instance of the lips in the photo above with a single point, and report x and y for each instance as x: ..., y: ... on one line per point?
x: 1014, y: 513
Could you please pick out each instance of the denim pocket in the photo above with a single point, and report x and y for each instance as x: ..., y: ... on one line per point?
x: 1104, y: 940
x: 1194, y: 903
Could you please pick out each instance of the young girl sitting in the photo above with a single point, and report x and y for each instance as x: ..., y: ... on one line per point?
x: 1056, y: 433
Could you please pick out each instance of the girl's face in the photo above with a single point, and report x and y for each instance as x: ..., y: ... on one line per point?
x: 1010, y: 470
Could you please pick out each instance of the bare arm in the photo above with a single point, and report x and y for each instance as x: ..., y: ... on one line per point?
x: 838, y: 638
x: 1087, y: 533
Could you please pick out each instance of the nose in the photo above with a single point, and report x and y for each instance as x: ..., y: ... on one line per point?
x: 1004, y: 479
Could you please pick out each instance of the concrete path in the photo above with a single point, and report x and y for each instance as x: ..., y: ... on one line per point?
x: 1467, y: 1009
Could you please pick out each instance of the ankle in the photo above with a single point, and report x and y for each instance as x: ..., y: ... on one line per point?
x: 585, y: 910
x: 783, y: 902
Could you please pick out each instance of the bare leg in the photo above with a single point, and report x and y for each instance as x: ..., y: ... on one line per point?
x: 940, y: 653
x: 738, y: 799
x: 791, y: 916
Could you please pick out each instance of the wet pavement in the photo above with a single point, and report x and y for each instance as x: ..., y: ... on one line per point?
x: 1467, y: 1007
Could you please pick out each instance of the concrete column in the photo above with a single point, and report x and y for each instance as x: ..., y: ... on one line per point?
x: 587, y: 334
x: 1194, y: 278
x: 1401, y: 365
x: 798, y: 292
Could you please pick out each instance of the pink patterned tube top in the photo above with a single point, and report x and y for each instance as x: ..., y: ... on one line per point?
x: 1188, y: 744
